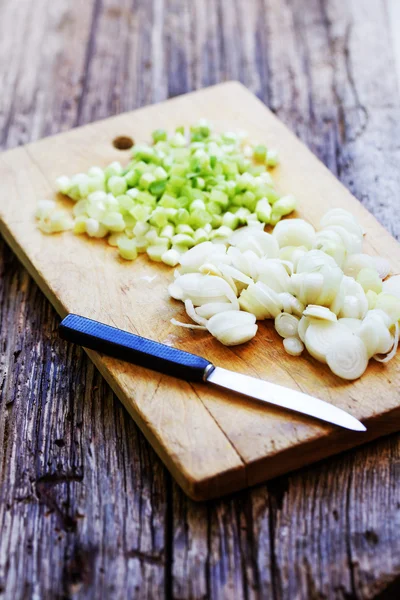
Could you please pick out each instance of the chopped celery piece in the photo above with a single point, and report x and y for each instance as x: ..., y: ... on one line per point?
x: 184, y: 229
x: 182, y: 216
x: 157, y: 187
x: 167, y: 232
x: 80, y: 225
x: 46, y: 207
x: 95, y: 229
x: 127, y: 248
x: 263, y: 210
x: 222, y: 232
x: 168, y: 201
x: 260, y: 153
x: 183, y: 240
x: 272, y: 158
x: 117, y: 185
x: 97, y: 172
x: 158, y: 217
x: 140, y: 212
x: 141, y: 229
x: 160, y: 173
x: 282, y: 207
x: 171, y: 257
x: 156, y: 251
x: 114, y: 221
x: 200, y: 235
x: 114, y: 169
x: 230, y: 220
x: 113, y: 239
x: 159, y: 135
x: 63, y: 184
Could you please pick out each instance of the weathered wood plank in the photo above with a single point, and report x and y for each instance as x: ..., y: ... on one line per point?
x: 83, y: 498
x: 330, y: 531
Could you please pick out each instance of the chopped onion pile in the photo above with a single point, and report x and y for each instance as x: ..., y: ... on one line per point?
x: 323, y: 293
x: 173, y: 195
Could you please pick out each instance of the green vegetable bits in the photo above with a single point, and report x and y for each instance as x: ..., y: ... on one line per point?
x: 184, y: 189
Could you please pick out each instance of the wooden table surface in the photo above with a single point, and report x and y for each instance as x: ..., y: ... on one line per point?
x: 87, y: 510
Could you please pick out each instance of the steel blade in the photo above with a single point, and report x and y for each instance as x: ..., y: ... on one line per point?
x: 283, y: 397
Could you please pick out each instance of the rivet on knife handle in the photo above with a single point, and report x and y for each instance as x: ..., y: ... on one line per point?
x: 133, y: 348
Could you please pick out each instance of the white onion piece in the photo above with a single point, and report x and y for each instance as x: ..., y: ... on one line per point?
x: 313, y: 261
x: 245, y: 262
x: 292, y: 254
x: 348, y: 223
x: 369, y: 334
x: 337, y: 303
x: 319, y: 312
x: 291, y: 304
x: 378, y: 313
x: 294, y: 232
x: 382, y: 265
x: 229, y: 280
x: 212, y: 308
x: 332, y: 281
x: 375, y: 335
x: 351, y: 308
x: 353, y: 325
x: 192, y: 260
x: 250, y: 238
x: 390, y: 305
x: 261, y: 301
x: 307, y: 287
x: 273, y: 274
x: 320, y: 336
x: 201, y: 289
x: 302, y: 328
x: 331, y: 243
x: 336, y: 212
x: 193, y: 315
x: 236, y: 275
x: 355, y: 262
x: 210, y: 269
x: 371, y: 298
x: 286, y: 325
x: 233, y: 327
x: 369, y: 280
x: 347, y: 357
x: 355, y: 303
x: 188, y: 325
x: 352, y: 243
x: 293, y: 346
x: 392, y: 286
x: 393, y: 350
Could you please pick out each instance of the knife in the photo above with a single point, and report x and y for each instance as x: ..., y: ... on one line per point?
x: 178, y: 363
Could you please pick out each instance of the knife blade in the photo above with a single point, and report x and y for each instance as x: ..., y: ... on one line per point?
x: 190, y: 367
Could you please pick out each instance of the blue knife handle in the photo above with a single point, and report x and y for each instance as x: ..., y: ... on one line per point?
x: 133, y: 348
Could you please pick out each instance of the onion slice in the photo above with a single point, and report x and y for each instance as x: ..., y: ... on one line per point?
x: 347, y: 357
x: 393, y: 350
x: 293, y: 346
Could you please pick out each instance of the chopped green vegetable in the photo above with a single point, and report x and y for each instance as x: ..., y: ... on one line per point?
x: 176, y: 190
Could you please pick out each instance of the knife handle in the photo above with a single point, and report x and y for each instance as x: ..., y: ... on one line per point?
x: 133, y: 348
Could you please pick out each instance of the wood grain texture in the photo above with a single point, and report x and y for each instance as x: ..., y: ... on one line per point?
x: 308, y: 61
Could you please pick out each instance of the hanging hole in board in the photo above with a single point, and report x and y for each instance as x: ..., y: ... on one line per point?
x: 123, y: 142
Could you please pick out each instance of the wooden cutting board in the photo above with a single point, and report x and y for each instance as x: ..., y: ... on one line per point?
x: 212, y: 442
